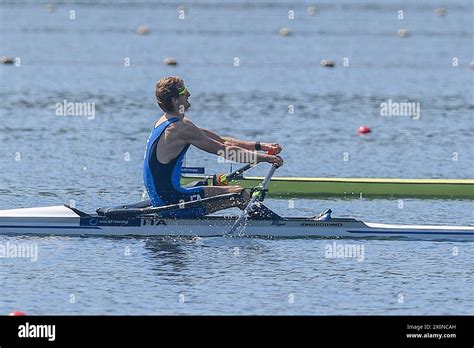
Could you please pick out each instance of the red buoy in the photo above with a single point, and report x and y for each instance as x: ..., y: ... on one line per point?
x: 363, y: 130
x: 17, y: 313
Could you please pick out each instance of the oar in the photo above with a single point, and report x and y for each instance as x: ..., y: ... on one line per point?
x: 225, y: 179
x: 255, y: 196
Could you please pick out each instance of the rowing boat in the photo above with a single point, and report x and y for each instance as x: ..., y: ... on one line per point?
x: 142, y: 219
x: 66, y: 220
x: 288, y: 187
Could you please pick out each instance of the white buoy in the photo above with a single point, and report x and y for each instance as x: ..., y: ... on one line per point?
x: 182, y: 9
x: 440, y: 11
x: 170, y: 61
x: 143, y: 30
x: 6, y: 60
x: 50, y: 7
x: 328, y: 63
x: 403, y: 32
x: 311, y: 10
x: 285, y: 31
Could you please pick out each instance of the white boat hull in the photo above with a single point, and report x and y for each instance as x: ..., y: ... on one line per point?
x: 62, y: 220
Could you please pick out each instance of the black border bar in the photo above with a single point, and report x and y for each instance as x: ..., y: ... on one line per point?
x: 261, y: 330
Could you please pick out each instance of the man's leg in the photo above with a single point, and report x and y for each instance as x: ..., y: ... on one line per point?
x: 224, y: 203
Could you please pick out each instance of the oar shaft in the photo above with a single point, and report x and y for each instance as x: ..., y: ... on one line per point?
x: 267, y: 179
x: 253, y: 199
x: 239, y: 171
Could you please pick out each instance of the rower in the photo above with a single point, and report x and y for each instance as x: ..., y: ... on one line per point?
x: 169, y: 140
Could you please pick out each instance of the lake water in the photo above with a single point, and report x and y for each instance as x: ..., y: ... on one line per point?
x: 46, y: 159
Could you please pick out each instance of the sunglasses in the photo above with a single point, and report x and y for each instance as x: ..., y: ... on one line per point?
x: 183, y: 91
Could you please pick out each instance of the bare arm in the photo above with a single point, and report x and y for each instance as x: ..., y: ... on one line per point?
x: 248, y: 145
x: 212, y: 143
x: 273, y: 148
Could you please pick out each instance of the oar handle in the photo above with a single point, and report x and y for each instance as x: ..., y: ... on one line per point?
x: 272, y: 152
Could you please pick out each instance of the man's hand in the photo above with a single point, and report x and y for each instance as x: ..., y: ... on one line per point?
x: 272, y: 148
x: 274, y: 159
